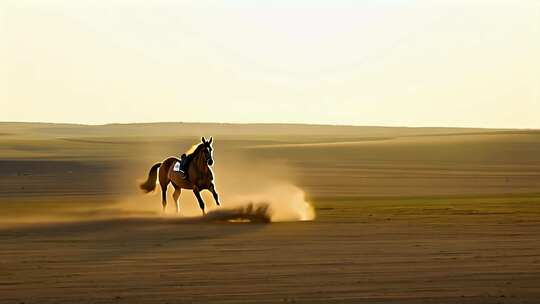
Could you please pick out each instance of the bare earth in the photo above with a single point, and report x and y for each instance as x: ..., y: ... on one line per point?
x: 403, y: 216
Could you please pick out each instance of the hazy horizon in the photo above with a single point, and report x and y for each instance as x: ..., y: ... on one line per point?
x: 468, y: 64
x: 258, y: 123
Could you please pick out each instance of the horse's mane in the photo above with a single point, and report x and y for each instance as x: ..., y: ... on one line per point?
x: 192, y: 153
x: 195, y: 148
x: 192, y: 149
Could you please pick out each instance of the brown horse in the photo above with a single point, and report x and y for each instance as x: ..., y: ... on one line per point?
x: 199, y: 173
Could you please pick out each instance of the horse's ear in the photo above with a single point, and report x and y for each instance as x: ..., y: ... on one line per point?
x: 211, y: 139
x: 203, y: 140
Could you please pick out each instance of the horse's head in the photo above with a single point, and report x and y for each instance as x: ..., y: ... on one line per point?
x: 208, y: 151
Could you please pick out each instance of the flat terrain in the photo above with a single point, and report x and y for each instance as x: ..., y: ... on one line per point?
x: 404, y: 215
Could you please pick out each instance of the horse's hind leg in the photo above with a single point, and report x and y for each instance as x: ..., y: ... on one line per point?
x: 164, y: 197
x: 164, y: 182
x: 176, y: 196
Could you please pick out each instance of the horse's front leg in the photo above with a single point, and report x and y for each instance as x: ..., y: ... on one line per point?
x: 197, y: 193
x: 212, y: 189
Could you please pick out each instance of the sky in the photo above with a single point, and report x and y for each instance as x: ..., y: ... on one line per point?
x: 363, y: 62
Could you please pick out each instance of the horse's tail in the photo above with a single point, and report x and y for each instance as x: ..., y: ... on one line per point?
x: 150, y: 184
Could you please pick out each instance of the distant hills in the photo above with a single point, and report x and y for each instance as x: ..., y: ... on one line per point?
x: 179, y: 129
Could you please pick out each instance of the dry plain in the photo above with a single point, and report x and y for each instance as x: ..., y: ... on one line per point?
x: 403, y: 215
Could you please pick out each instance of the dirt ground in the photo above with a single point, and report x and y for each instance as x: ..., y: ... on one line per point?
x: 403, y: 215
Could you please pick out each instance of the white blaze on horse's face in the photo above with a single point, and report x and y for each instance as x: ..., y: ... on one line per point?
x: 209, y: 158
x: 208, y: 151
x: 209, y: 154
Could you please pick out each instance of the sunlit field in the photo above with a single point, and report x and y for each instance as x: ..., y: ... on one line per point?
x: 309, y: 214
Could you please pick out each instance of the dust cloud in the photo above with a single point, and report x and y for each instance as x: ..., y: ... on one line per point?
x: 285, y: 203
x: 250, y: 190
x: 278, y: 203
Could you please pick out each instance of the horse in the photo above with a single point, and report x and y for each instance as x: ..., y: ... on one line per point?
x: 199, y: 172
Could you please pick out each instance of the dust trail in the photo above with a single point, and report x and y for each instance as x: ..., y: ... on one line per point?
x: 284, y: 203
x: 277, y: 203
x: 252, y: 213
x: 274, y: 203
